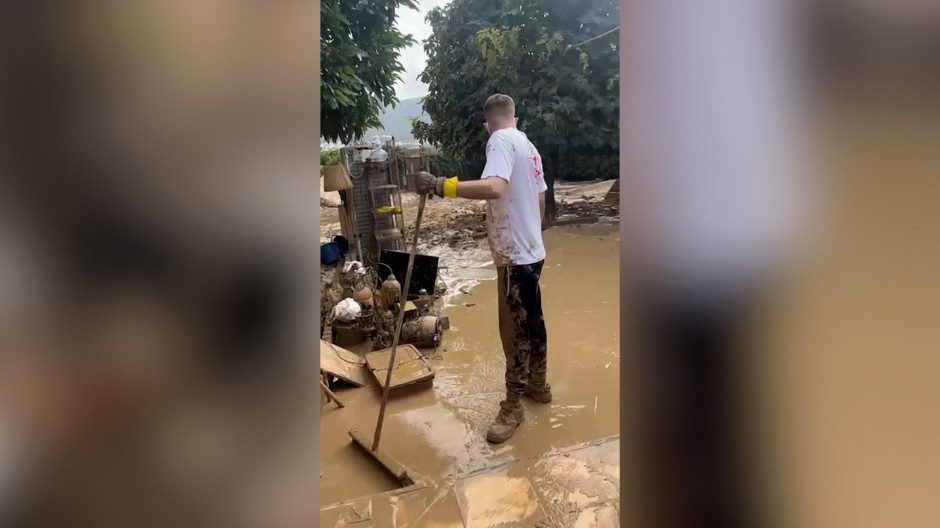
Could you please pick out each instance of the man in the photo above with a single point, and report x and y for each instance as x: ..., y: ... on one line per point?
x: 514, y: 189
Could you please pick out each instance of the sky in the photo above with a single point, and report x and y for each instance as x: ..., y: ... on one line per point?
x: 413, y: 58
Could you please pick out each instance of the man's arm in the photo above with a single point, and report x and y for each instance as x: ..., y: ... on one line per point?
x: 496, y: 173
x: 491, y: 186
x: 486, y: 189
x: 542, y: 206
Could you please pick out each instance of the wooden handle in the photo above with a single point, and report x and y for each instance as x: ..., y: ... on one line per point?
x: 401, y: 318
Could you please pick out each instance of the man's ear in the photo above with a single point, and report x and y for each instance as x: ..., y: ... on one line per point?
x: 515, y: 121
x: 487, y: 127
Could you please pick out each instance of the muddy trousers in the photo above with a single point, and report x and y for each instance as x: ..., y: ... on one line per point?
x: 522, y: 325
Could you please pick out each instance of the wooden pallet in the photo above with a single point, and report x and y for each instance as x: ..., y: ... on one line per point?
x: 342, y: 363
x: 410, y: 366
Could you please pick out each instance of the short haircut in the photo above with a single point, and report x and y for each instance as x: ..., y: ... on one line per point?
x: 499, y: 108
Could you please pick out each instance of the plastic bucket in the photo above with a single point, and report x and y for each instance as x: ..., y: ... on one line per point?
x: 342, y: 244
x: 329, y: 253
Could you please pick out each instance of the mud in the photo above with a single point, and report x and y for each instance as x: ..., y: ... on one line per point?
x: 577, y: 487
x: 440, y: 432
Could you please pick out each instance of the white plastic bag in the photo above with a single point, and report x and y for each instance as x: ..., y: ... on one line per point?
x: 347, y: 310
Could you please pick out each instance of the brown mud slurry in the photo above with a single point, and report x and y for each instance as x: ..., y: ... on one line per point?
x: 440, y: 433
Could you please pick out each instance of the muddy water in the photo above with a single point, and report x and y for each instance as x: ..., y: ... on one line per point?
x: 439, y: 432
x: 461, y: 268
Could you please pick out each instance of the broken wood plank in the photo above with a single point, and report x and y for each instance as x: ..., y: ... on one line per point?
x: 410, y: 367
x: 343, y: 364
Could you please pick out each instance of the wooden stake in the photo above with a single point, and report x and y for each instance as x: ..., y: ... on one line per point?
x: 330, y: 395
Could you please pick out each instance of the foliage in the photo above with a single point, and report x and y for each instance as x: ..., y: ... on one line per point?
x: 463, y: 168
x: 359, y: 51
x: 540, y: 53
x: 330, y: 157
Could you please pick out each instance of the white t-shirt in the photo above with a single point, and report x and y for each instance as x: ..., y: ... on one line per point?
x: 514, y: 221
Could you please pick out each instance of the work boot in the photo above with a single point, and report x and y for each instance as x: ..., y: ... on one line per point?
x: 540, y: 393
x: 509, y: 417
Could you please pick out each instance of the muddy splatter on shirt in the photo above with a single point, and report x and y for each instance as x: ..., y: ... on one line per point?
x: 514, y: 221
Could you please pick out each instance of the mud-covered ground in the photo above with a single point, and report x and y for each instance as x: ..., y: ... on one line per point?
x: 439, y: 431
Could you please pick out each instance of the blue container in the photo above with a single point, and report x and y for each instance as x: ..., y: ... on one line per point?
x: 342, y: 243
x: 329, y: 253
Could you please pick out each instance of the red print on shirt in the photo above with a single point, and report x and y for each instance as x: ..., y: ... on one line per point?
x: 536, y: 169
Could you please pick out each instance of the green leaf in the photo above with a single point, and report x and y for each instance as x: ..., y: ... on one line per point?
x: 360, y: 49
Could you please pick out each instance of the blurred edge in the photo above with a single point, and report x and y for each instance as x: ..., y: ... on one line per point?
x: 840, y: 365
x: 159, y: 277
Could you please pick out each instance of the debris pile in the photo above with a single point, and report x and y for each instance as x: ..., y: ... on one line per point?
x: 458, y: 231
x: 355, y: 308
x: 586, y: 211
x: 461, y: 224
x: 358, y: 316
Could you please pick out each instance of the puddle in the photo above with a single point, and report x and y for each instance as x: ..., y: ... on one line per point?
x: 461, y: 268
x: 440, y: 433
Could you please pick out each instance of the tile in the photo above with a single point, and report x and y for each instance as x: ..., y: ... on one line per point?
x: 429, y: 508
x: 497, y: 500
x: 599, y: 517
x: 578, y: 487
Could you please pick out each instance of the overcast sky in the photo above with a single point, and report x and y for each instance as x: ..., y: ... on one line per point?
x: 413, y: 58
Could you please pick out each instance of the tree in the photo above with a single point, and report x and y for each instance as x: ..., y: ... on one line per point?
x: 359, y: 51
x: 559, y: 61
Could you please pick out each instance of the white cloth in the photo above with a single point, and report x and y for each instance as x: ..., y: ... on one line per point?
x: 514, y: 220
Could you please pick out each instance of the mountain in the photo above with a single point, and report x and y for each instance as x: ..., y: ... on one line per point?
x: 396, y: 122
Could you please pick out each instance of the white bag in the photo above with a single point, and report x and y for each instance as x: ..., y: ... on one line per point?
x: 347, y: 310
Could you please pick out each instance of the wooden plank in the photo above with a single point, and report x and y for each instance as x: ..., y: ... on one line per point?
x: 393, y: 466
x: 330, y: 395
x: 410, y: 366
x: 344, y: 222
x: 343, y: 364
